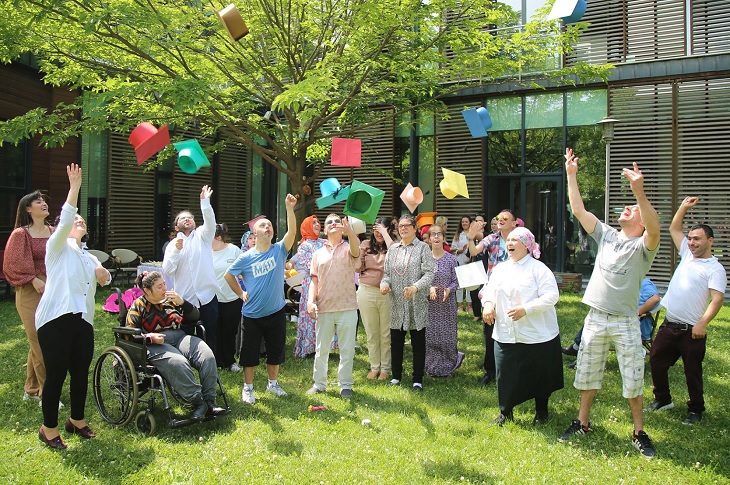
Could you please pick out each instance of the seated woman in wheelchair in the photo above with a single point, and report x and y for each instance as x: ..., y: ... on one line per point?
x: 160, y: 314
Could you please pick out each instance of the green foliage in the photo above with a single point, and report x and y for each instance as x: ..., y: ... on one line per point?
x: 318, y: 66
x: 443, y: 435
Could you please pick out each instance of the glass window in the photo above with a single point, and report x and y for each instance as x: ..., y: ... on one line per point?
x: 585, y: 107
x: 13, y: 181
x: 544, y: 110
x: 506, y: 113
x: 544, y: 150
x: 504, y: 153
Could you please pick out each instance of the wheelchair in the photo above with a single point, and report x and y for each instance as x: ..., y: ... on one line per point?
x: 123, y: 379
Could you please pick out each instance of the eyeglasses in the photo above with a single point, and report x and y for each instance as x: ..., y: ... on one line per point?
x: 435, y: 234
x: 332, y: 221
x: 184, y: 218
x: 404, y: 226
x: 502, y: 218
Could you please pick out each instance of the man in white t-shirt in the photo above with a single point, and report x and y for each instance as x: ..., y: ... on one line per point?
x: 622, y: 260
x: 695, y: 295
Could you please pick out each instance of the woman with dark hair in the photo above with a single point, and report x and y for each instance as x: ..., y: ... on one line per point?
x: 460, y: 249
x: 374, y: 306
x: 65, y: 316
x: 229, y: 304
x: 305, y: 344
x: 160, y: 314
x: 442, y: 356
x: 25, y: 269
x: 407, y: 277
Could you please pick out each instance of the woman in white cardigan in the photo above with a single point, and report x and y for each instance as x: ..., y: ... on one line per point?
x: 65, y: 316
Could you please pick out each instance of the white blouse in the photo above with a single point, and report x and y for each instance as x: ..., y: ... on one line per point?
x: 530, y: 284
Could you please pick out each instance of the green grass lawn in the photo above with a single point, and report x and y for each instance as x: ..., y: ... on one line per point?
x: 443, y: 435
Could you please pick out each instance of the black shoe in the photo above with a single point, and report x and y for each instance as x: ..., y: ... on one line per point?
x: 692, y: 419
x: 570, y: 350
x: 540, y: 418
x: 486, y: 379
x: 501, y: 419
x: 572, y: 364
x: 346, y: 393
x: 214, y: 409
x: 575, y: 429
x: 199, y: 408
x: 659, y: 406
x: 642, y: 442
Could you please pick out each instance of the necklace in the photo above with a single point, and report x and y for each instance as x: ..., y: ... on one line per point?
x: 409, y: 252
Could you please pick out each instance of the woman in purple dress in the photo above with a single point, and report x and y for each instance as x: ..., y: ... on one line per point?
x: 442, y: 356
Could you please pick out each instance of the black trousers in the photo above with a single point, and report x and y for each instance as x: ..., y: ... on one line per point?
x: 209, y: 317
x: 418, y: 344
x: 490, y: 367
x: 229, y: 319
x: 67, y: 343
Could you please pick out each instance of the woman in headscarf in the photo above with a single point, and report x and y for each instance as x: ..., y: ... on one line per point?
x: 305, y: 344
x: 519, y: 301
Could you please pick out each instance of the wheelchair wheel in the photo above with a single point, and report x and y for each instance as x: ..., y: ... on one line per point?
x: 146, y: 423
x: 115, y: 386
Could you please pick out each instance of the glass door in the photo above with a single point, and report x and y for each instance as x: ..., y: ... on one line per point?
x: 544, y: 215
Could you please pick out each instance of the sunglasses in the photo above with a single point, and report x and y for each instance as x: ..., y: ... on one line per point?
x: 502, y: 218
x: 329, y: 222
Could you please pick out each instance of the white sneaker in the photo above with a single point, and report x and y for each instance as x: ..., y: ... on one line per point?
x: 247, y: 395
x: 234, y: 368
x: 276, y: 389
x: 28, y: 397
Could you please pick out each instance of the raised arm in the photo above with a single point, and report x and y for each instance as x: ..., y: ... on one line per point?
x: 475, y: 228
x: 207, y: 230
x: 352, y: 238
x: 586, y: 219
x: 649, y: 217
x: 291, y: 222
x: 675, y: 228
x: 58, y: 239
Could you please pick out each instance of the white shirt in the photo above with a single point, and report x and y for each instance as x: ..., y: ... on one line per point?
x: 530, y: 284
x: 71, y: 283
x: 689, y: 289
x: 192, y: 267
x: 222, y: 260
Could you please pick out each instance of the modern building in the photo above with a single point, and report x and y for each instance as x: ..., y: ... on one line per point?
x: 669, y: 91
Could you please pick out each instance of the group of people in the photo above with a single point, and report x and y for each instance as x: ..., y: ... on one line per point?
x: 405, y: 285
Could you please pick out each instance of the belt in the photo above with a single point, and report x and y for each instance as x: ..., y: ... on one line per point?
x: 677, y: 326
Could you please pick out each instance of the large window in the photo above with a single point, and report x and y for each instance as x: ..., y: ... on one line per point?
x: 14, y: 181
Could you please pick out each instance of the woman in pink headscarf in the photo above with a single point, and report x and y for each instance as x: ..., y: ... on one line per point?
x: 305, y: 344
x: 519, y: 301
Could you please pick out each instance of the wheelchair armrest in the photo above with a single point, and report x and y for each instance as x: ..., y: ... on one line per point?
x: 127, y: 330
x: 196, y: 329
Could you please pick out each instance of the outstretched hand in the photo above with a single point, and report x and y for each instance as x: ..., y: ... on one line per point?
x: 571, y: 162
x: 636, y: 179
x: 74, y: 175
x: 206, y: 192
x: 690, y: 201
x: 290, y: 201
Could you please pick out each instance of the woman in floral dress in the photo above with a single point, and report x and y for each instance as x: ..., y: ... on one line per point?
x: 442, y: 356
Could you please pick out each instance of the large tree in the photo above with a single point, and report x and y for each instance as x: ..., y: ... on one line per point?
x: 307, y: 71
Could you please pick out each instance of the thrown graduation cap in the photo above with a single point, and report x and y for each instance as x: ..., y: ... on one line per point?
x: 148, y: 140
x: 568, y: 10
x: 191, y: 156
x: 358, y: 225
x: 478, y: 121
x: 425, y: 219
x: 411, y: 197
x: 453, y: 184
x: 363, y: 202
x: 346, y: 152
x: 332, y: 192
x: 253, y: 221
x: 233, y: 22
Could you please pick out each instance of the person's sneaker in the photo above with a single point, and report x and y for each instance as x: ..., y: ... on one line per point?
x: 235, y: 368
x: 643, y: 443
x: 417, y: 386
x: 572, y: 364
x: 247, y: 395
x: 486, y: 379
x: 394, y: 382
x: 31, y: 397
x: 659, y: 406
x: 314, y: 390
x: 570, y: 350
x: 346, y: 393
x: 575, y: 429
x: 276, y: 390
x: 692, y: 418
